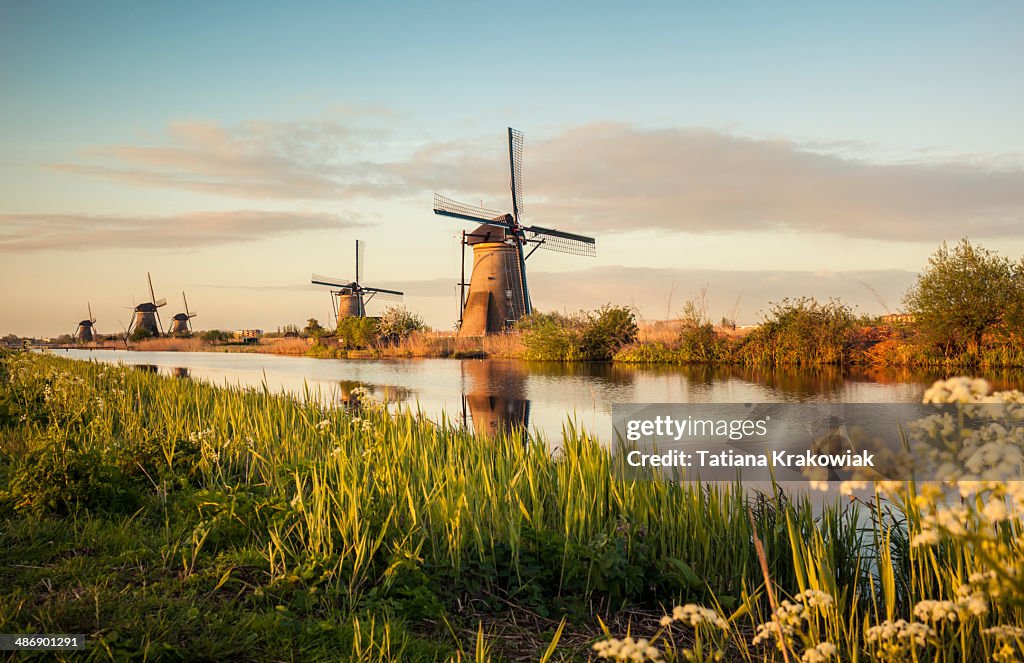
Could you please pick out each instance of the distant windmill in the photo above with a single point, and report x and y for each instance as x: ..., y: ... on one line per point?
x: 147, y: 314
x: 498, y: 294
x: 181, y: 323
x: 349, y: 298
x: 85, y: 332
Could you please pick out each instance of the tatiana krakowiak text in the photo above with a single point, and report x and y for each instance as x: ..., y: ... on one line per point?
x: 728, y: 458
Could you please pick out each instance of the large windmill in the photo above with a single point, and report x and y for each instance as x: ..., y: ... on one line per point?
x: 147, y: 314
x: 181, y: 323
x: 349, y: 298
x: 85, y: 332
x: 498, y: 294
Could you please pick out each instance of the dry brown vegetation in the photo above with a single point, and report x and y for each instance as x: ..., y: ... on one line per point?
x: 171, y: 345
x: 285, y: 346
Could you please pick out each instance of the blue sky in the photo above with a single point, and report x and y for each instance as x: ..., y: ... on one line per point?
x: 385, y: 99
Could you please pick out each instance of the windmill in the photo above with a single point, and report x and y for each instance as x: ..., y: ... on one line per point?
x: 349, y: 298
x: 85, y: 332
x: 498, y: 294
x: 147, y: 314
x: 181, y: 323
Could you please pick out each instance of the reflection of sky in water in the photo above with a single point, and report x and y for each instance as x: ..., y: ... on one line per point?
x: 556, y: 391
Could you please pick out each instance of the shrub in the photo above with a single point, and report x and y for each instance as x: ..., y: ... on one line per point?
x: 214, y: 335
x: 800, y: 332
x: 585, y: 336
x: 607, y: 330
x: 357, y: 333
x: 397, y: 323
x: 140, y: 334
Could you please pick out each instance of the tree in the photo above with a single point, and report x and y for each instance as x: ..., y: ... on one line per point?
x: 964, y: 292
x: 313, y: 328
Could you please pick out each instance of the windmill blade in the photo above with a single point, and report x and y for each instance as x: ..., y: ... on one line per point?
x: 152, y: 296
x: 360, y: 251
x: 515, y: 161
x: 334, y: 282
x: 185, y: 299
x: 563, y: 242
x: 384, y: 296
x: 383, y: 291
x: 160, y: 302
x: 91, y: 319
x: 448, y: 207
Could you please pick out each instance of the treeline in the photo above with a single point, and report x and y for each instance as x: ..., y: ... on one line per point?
x: 966, y: 309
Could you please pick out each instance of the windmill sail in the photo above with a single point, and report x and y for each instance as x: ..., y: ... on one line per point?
x: 562, y: 242
x: 447, y: 207
x: 515, y: 159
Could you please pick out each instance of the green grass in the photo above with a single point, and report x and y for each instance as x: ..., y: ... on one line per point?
x: 170, y: 519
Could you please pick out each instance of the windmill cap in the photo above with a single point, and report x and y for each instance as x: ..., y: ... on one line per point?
x: 486, y: 233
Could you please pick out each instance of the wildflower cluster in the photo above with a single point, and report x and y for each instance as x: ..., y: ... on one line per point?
x: 820, y: 653
x: 695, y: 615
x: 793, y: 620
x: 897, y: 640
x: 627, y: 649
x: 710, y: 631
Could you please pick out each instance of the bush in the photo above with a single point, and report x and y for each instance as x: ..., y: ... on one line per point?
x: 549, y: 336
x: 357, y: 333
x: 140, y: 334
x: 397, y: 323
x: 607, y: 330
x: 586, y: 336
x: 800, y: 332
x: 214, y: 335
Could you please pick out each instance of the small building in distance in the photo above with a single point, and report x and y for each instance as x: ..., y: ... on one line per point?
x: 248, y: 335
x: 891, y: 318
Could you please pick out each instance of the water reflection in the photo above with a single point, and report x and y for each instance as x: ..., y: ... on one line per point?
x: 496, y: 396
x: 501, y: 395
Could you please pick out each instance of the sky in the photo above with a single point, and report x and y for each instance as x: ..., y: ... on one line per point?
x: 752, y: 151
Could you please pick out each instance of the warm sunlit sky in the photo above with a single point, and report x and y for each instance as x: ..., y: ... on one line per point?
x: 762, y: 149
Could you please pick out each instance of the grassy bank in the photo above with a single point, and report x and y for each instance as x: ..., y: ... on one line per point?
x: 170, y: 519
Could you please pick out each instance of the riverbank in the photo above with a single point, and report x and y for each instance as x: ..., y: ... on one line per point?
x: 167, y: 518
x: 668, y: 342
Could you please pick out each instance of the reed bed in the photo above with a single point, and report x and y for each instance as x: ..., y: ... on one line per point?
x: 133, y: 504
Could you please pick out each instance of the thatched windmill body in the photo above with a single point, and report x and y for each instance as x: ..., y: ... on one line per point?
x: 86, y: 332
x: 147, y: 314
x: 349, y: 298
x: 181, y: 323
x: 498, y: 293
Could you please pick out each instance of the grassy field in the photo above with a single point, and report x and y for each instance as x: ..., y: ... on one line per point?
x: 172, y: 520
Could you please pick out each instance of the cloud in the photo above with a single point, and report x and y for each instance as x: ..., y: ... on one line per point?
x: 35, y: 232
x: 596, y: 178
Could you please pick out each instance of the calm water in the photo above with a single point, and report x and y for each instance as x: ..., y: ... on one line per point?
x: 497, y: 393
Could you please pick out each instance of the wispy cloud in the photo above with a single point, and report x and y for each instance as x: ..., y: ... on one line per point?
x: 597, y: 178
x: 32, y: 232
